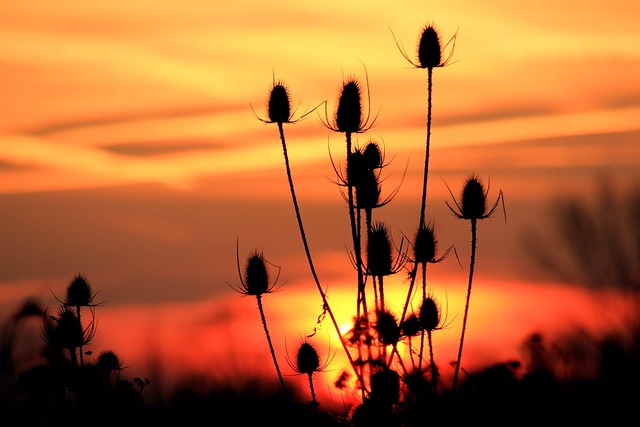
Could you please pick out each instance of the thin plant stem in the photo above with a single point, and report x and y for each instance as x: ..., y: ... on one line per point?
x: 266, y: 331
x: 313, y: 391
x: 466, y: 307
x: 307, y: 250
x: 428, y: 144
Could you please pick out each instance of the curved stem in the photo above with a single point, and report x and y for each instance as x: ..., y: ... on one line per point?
x: 266, y: 331
x: 466, y: 307
x: 306, y: 248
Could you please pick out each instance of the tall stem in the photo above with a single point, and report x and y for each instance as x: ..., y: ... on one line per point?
x: 325, y: 303
x: 266, y: 331
x: 466, y: 307
x: 428, y: 144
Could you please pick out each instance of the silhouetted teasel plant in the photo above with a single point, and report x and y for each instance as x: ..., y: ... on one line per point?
x: 255, y: 281
x: 280, y: 112
x: 349, y: 119
x: 307, y: 362
x: 79, y: 293
x: 430, y: 53
x: 473, y: 207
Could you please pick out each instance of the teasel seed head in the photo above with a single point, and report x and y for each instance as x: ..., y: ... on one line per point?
x: 372, y: 155
x: 79, y: 292
x: 411, y: 326
x: 368, y: 190
x: 307, y: 359
x: 429, y: 48
x: 109, y: 361
x: 256, y: 278
x: 349, y: 112
x: 429, y: 314
x: 474, y: 199
x: 356, y: 167
x: 387, y: 328
x: 425, y: 245
x: 379, y: 255
x: 279, y: 106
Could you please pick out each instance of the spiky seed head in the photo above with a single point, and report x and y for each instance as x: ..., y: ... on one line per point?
x: 429, y: 48
x: 425, y: 245
x: 474, y: 199
x: 411, y: 326
x: 68, y: 331
x: 385, y: 387
x: 79, y: 292
x: 109, y: 361
x: 349, y: 112
x: 356, y: 167
x: 308, y: 361
x: 379, y: 256
x: 388, y: 328
x: 368, y: 190
x: 373, y: 155
x: 279, y: 104
x: 256, y: 278
x: 429, y: 314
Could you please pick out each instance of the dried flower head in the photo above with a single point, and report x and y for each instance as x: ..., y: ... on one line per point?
x: 380, y: 258
x: 279, y: 105
x: 109, y: 361
x: 387, y: 328
x: 429, y: 314
x: 349, y: 113
x: 255, y: 279
x: 307, y: 359
x: 349, y: 117
x: 373, y: 155
x: 66, y: 331
x: 473, y: 201
x: 79, y: 292
x: 411, y: 326
x: 430, y: 49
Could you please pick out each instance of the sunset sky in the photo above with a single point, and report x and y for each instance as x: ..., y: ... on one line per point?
x: 130, y: 151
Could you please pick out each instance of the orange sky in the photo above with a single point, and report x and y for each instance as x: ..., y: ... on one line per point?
x: 129, y: 149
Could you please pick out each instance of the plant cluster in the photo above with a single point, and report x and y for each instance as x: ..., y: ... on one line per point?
x: 391, y: 354
x: 67, y: 384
